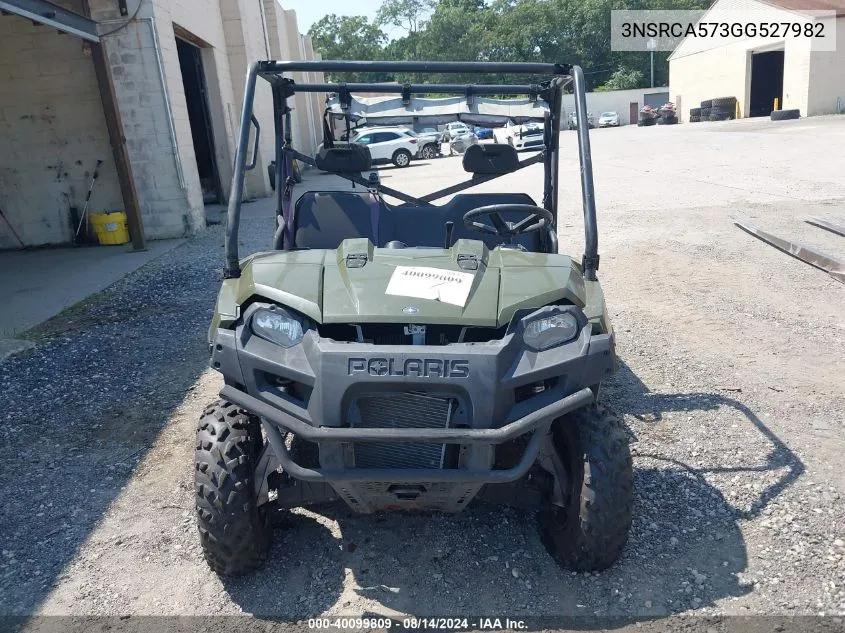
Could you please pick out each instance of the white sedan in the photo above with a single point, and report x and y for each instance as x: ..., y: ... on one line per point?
x: 609, y: 119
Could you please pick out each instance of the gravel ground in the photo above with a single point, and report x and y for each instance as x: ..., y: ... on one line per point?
x: 730, y: 381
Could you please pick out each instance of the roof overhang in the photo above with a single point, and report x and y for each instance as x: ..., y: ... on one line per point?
x: 52, y: 15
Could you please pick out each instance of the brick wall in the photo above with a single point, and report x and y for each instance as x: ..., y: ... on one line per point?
x: 52, y: 132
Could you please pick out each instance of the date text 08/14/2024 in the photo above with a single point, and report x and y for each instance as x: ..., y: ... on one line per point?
x: 418, y: 624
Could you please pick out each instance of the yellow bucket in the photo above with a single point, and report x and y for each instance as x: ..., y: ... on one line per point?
x: 110, y: 227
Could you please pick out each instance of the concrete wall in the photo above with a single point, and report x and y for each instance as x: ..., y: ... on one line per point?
x: 52, y: 132
x: 52, y: 126
x: 827, y: 77
x: 247, y: 41
x: 317, y: 100
x: 141, y: 56
x: 701, y: 70
x: 611, y: 101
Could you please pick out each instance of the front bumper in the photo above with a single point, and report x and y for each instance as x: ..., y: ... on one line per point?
x: 539, y: 420
x: 487, y: 381
x: 529, y: 142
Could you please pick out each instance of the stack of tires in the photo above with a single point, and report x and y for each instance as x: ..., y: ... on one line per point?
x: 721, y: 109
x: 694, y: 115
x: 704, y: 110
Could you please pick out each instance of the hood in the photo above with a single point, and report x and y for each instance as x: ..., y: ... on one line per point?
x: 357, y: 283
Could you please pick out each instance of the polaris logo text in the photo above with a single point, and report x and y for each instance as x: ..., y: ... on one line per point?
x: 416, y: 367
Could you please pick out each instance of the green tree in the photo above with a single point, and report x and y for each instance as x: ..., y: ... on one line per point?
x: 624, y: 79
x: 565, y: 31
x: 409, y: 15
x: 349, y: 37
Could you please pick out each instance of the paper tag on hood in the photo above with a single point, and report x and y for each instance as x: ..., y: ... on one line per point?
x: 435, y: 284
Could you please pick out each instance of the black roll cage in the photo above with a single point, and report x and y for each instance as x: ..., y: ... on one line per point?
x: 283, y: 88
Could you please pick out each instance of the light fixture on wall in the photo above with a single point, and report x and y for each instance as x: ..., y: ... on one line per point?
x: 86, y: 48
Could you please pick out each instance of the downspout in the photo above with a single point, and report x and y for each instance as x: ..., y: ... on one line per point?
x: 167, y: 105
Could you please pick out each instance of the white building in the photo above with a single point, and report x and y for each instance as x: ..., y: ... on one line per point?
x: 759, y: 70
x: 152, y: 88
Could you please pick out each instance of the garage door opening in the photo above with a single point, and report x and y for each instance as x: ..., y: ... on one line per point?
x: 196, y: 98
x: 766, y: 82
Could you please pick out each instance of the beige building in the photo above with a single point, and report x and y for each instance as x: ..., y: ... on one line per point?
x: 758, y: 70
x: 153, y: 89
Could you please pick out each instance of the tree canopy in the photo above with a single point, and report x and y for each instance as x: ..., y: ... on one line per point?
x: 570, y: 31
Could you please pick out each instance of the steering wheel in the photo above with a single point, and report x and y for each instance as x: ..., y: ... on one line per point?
x: 537, y: 219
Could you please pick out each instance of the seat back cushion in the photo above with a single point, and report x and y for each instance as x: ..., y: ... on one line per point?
x: 344, y: 158
x: 490, y: 158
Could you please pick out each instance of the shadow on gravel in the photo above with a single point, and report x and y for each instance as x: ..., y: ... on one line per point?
x: 685, y: 552
x: 81, y: 410
x: 635, y: 399
x: 303, y: 577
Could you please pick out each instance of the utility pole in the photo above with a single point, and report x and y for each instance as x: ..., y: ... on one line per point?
x: 652, y: 45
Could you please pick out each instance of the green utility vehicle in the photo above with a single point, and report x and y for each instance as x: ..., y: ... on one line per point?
x: 414, y: 356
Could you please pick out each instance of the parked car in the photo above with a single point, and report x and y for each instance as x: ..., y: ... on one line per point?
x: 525, y: 136
x: 455, y: 129
x: 429, y: 142
x: 573, y: 121
x: 609, y: 119
x: 396, y: 145
x: 484, y: 133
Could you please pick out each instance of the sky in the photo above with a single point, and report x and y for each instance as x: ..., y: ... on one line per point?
x: 310, y: 11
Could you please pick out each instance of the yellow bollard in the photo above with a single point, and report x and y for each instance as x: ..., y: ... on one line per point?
x: 777, y: 103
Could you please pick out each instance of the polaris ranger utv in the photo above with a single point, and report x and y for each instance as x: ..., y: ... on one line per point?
x: 414, y: 356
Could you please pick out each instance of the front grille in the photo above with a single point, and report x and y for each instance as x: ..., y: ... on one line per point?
x: 533, y: 142
x: 402, y: 411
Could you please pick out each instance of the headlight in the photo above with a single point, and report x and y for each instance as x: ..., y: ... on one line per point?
x: 278, y: 326
x: 546, y: 332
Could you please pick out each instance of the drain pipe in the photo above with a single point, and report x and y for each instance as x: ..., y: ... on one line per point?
x: 167, y: 105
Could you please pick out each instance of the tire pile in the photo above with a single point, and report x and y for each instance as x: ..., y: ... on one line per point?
x: 719, y: 109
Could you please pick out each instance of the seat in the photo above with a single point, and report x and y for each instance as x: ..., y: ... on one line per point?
x: 323, y: 219
x: 426, y: 225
